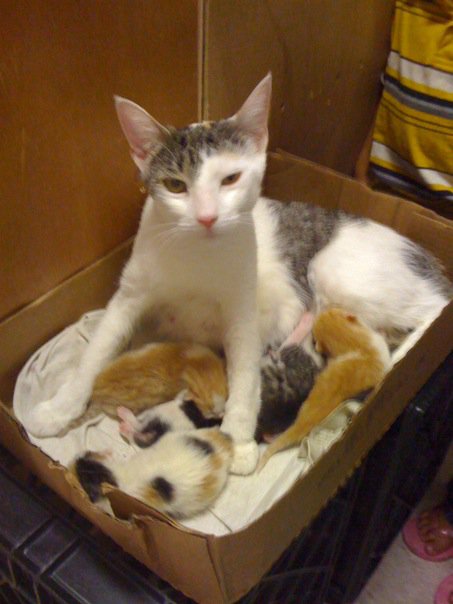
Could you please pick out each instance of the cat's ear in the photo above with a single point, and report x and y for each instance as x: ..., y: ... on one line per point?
x: 143, y: 133
x: 252, y: 117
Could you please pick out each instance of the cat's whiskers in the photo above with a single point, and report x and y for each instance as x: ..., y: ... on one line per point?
x: 168, y: 236
x: 227, y: 222
x: 165, y: 238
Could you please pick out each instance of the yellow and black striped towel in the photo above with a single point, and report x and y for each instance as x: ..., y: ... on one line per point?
x: 412, y: 149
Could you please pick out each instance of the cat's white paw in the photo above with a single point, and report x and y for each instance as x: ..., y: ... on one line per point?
x: 51, y: 417
x: 245, y: 458
x: 45, y: 420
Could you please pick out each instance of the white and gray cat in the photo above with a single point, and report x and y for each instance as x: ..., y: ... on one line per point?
x: 215, y: 262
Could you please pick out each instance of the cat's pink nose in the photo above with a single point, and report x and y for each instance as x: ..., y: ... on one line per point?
x: 207, y: 221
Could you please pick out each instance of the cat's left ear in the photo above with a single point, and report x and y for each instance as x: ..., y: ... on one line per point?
x: 143, y: 133
x: 252, y: 117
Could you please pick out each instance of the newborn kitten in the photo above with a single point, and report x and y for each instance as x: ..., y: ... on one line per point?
x: 287, y: 376
x: 182, y: 414
x: 358, y: 359
x: 157, y: 373
x: 181, y: 474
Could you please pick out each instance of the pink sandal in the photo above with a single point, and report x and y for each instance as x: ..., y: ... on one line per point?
x: 444, y: 591
x: 416, y: 545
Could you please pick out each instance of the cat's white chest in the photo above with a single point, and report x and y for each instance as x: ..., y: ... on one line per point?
x: 195, y: 280
x: 195, y: 318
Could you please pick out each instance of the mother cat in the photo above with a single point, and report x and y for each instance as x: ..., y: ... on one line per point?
x: 216, y: 263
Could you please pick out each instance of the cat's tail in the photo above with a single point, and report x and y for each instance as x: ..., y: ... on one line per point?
x: 92, y: 471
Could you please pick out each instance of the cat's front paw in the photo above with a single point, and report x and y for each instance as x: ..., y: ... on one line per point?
x: 51, y: 417
x: 245, y: 458
x: 45, y: 420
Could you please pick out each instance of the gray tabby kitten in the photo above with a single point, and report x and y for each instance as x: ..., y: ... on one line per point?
x: 287, y: 376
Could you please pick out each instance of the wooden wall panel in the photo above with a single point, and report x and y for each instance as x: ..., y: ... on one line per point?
x: 326, y: 58
x: 67, y: 192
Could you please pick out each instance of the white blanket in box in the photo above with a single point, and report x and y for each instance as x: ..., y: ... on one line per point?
x: 244, y: 499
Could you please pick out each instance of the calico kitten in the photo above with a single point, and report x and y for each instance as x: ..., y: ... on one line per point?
x: 181, y: 414
x: 358, y: 359
x: 191, y: 477
x: 157, y: 373
x: 215, y: 262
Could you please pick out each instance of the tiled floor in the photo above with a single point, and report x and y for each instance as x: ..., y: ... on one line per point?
x: 401, y: 577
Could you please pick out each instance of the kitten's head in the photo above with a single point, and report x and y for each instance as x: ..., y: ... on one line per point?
x: 206, y: 175
x: 337, y: 332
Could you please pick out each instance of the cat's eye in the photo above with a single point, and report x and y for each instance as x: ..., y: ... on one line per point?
x: 174, y: 185
x: 231, y: 178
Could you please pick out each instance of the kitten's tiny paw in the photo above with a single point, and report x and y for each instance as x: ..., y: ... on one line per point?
x: 124, y: 429
x: 245, y: 458
x: 128, y: 423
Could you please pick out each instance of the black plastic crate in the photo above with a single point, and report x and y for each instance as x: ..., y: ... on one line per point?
x: 303, y: 572
x: 21, y: 517
x: 395, y: 476
x: 9, y: 596
x: 84, y: 575
x: 34, y: 558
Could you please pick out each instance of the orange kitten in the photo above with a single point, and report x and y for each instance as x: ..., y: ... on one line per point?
x: 358, y: 359
x: 157, y: 373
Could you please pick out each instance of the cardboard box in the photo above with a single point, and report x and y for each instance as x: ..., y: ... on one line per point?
x: 214, y: 570
x: 221, y: 569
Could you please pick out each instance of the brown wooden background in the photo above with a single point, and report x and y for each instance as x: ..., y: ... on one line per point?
x: 67, y: 192
x: 326, y: 57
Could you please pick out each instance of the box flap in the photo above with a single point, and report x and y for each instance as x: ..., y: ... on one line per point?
x: 183, y: 559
